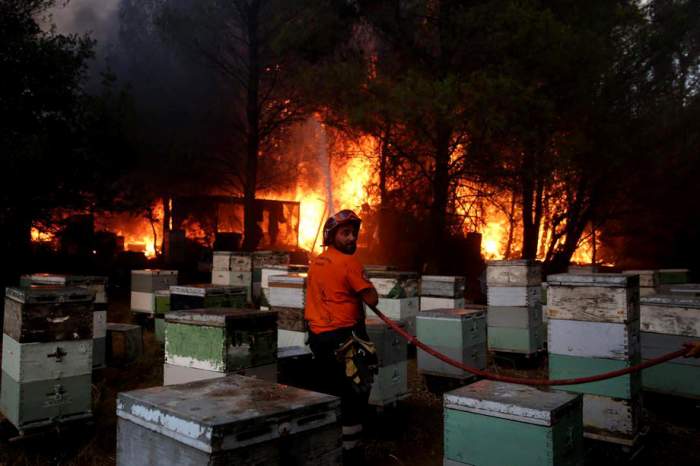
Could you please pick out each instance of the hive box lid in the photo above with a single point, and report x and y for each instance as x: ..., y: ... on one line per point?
x: 290, y: 280
x: 162, y: 292
x: 608, y: 280
x: 442, y: 278
x: 206, y: 289
x: 671, y: 300
x: 154, y: 272
x: 396, y: 274
x: 470, y: 312
x: 686, y: 288
x: 62, y: 279
x: 227, y: 413
x: 49, y: 295
x: 513, y: 263
x: 510, y: 401
x: 217, y: 317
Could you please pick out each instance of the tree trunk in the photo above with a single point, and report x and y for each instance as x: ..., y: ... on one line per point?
x: 383, y: 201
x: 253, y: 134
x: 438, y: 208
x: 532, y: 194
x: 166, y: 226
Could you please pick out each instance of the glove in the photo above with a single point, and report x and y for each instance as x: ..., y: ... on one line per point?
x: 693, y: 349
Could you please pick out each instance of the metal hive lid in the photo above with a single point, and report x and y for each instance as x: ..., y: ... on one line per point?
x: 671, y: 300
x: 442, y: 278
x: 513, y: 263
x: 66, y: 280
x: 217, y: 317
x: 49, y: 295
x: 395, y: 274
x: 510, y: 401
x: 227, y: 413
x: 205, y: 289
x: 608, y: 280
x: 470, y: 312
x: 154, y: 272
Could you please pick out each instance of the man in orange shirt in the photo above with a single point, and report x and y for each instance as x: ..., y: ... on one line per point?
x: 337, y: 285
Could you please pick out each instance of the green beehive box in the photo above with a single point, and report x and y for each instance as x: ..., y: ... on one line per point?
x: 516, y: 340
x: 673, y: 276
x: 205, y: 296
x: 221, y: 340
x: 498, y: 424
x: 673, y: 379
x: 569, y: 367
x: 162, y: 306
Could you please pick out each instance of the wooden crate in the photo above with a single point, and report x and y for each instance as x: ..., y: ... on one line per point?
x: 150, y: 280
x: 459, y: 334
x: 518, y: 273
x: 593, y: 297
x: 391, y: 347
x: 428, y: 303
x: 39, y: 403
x: 124, y: 344
x: 671, y: 314
x: 624, y: 387
x: 611, y: 419
x: 287, y: 290
x: 230, y: 420
x: 175, y: 375
x: 44, y: 314
x: 594, y: 339
x: 222, y: 340
x: 390, y: 384
x: 516, y: 340
x: 206, y: 296
x: 514, y: 296
x: 514, y: 317
x: 394, y: 284
x: 497, y: 424
x: 442, y: 286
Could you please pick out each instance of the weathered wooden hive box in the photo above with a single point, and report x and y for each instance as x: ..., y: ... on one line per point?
x: 403, y: 310
x: 391, y: 382
x: 162, y: 307
x: 245, y: 268
x: 206, y: 296
x: 594, y: 328
x: 221, y: 340
x: 47, y: 355
x: 144, y: 283
x: 394, y: 284
x: 514, y: 297
x: 233, y: 420
x: 428, y: 303
x: 442, y: 286
x: 648, y: 280
x: 287, y: 296
x: 496, y: 424
x: 668, y: 321
x: 457, y: 333
x: 97, y: 285
x: 265, y: 274
x: 124, y: 344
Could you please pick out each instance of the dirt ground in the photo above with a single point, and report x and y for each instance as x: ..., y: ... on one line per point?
x: 409, y: 434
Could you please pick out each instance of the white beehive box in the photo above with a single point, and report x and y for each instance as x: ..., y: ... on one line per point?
x: 144, y: 283
x: 287, y: 291
x: 175, y: 375
x: 514, y: 296
x: 612, y: 419
x: 396, y: 285
x: 428, y: 303
x: 230, y: 420
x: 593, y: 297
x: 594, y: 339
x: 671, y: 314
x: 513, y: 273
x: 442, y: 286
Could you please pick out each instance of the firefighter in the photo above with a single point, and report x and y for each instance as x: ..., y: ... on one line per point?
x: 337, y: 285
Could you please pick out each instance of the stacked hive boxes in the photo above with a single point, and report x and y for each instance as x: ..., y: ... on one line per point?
x: 495, y: 423
x: 648, y: 281
x: 97, y: 285
x: 457, y: 333
x: 398, y: 296
x: 47, y: 355
x: 144, y: 284
x: 206, y: 296
x: 244, y: 269
x: 667, y: 322
x: 232, y: 420
x: 441, y: 292
x: 391, y: 382
x: 210, y: 343
x: 514, y: 297
x: 287, y: 297
x: 270, y: 270
x: 594, y: 328
x: 162, y: 307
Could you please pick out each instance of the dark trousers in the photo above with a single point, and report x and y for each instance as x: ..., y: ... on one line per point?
x: 331, y: 379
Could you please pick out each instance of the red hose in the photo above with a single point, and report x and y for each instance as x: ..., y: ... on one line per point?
x: 518, y: 380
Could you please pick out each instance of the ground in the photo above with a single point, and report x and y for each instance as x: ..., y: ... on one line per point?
x: 409, y: 434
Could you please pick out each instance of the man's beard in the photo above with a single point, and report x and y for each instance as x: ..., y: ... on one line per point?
x: 348, y: 248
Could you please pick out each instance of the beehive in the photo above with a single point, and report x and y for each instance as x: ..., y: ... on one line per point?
x: 231, y: 420
x: 648, y: 280
x: 394, y: 284
x: 220, y: 340
x: 457, y: 333
x: 391, y: 382
x: 288, y: 291
x: 442, y: 286
x: 206, y: 296
x: 144, y: 283
x: 175, y: 375
x: 162, y: 307
x: 495, y: 424
x: 428, y: 303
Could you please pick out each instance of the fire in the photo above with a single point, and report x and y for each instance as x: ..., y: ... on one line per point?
x: 137, y: 230
x: 39, y: 236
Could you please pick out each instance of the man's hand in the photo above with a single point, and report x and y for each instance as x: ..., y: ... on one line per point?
x: 693, y: 349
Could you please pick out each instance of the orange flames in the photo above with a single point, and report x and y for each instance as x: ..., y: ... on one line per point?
x: 137, y: 230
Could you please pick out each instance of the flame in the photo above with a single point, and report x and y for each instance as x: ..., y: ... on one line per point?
x: 39, y: 236
x: 136, y: 230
